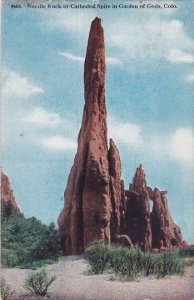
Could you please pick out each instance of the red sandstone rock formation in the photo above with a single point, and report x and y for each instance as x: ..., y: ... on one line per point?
x: 123, y: 208
x: 117, y: 222
x: 88, y: 202
x: 138, y: 223
x: 96, y: 204
x: 150, y: 230
x: 115, y: 188
x: 165, y: 232
x: 8, y: 201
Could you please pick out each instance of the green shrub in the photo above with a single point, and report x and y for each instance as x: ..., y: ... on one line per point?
x: 6, y: 291
x: 127, y: 263
x: 148, y: 263
x: 186, y: 252
x: 38, y: 264
x: 130, y: 263
x: 22, y: 253
x: 9, y: 258
x: 28, y: 240
x: 7, y: 211
x: 97, y: 255
x: 168, y: 263
x: 38, y: 283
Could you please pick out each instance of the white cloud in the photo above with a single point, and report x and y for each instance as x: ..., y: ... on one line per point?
x: 59, y: 143
x: 72, y: 57
x: 109, y: 59
x: 135, y: 39
x: 189, y: 77
x: 182, y: 145
x: 149, y: 39
x: 42, y: 117
x: 14, y: 85
x: 126, y: 133
x: 78, y: 21
x: 178, y: 56
x: 112, y: 60
x: 177, y: 145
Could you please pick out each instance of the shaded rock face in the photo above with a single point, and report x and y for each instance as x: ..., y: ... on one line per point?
x: 147, y: 229
x: 138, y: 222
x: 165, y: 232
x: 93, y: 193
x: 8, y: 200
x: 115, y: 188
x: 117, y: 195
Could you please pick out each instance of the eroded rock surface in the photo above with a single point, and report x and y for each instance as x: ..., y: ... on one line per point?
x: 8, y: 201
x: 117, y: 223
x: 138, y: 220
x: 165, y: 232
x: 150, y: 230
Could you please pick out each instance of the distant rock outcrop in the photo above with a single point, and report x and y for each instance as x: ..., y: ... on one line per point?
x: 8, y: 201
x: 96, y: 204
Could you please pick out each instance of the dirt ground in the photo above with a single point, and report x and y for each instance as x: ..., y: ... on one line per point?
x: 74, y: 282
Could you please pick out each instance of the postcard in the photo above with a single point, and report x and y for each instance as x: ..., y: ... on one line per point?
x: 97, y: 150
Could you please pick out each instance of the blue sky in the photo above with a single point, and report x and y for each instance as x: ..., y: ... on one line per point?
x: 149, y: 96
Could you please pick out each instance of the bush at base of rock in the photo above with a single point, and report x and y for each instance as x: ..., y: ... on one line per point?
x: 148, y: 263
x: 168, y: 263
x: 186, y: 252
x: 128, y: 264
x: 98, y: 256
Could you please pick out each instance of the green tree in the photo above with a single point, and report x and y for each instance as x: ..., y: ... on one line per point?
x: 28, y: 240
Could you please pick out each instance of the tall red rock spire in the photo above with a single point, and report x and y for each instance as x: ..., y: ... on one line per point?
x: 86, y: 215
